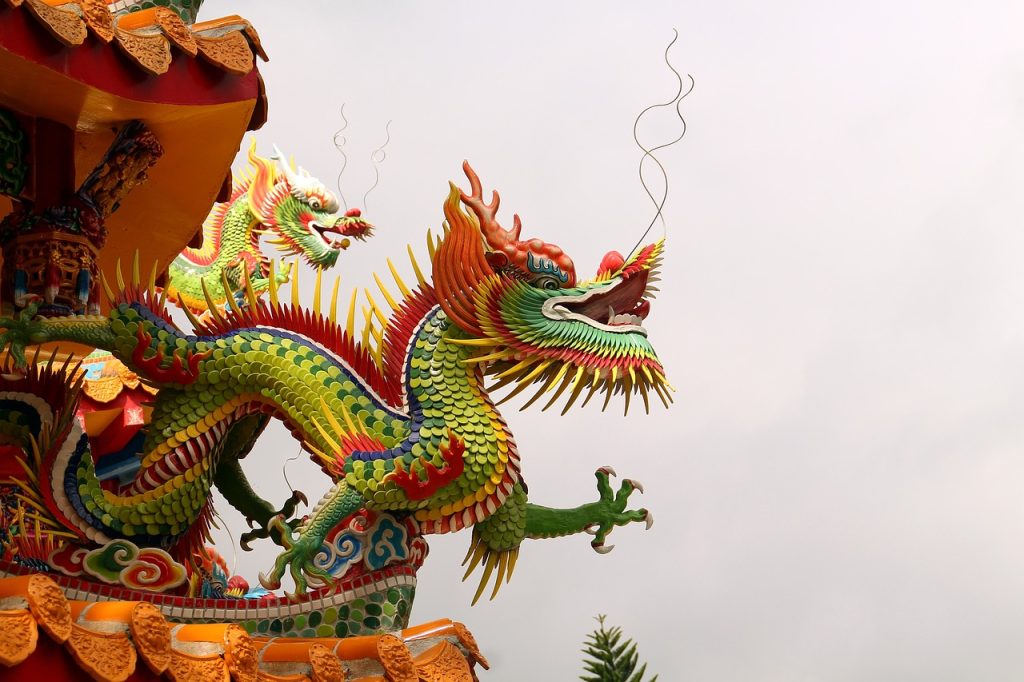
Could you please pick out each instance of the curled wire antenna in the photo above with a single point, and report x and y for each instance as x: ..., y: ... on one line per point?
x: 231, y: 538
x: 377, y: 157
x: 284, y: 468
x: 339, y: 144
x: 675, y: 102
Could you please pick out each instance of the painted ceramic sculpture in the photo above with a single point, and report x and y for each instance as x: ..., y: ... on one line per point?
x: 405, y: 426
x: 115, y: 427
x: 294, y: 210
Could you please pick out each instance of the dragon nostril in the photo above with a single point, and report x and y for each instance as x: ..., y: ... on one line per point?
x: 611, y: 262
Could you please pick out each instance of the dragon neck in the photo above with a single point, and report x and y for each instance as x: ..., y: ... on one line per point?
x: 444, y: 389
x: 226, y: 235
x: 447, y: 403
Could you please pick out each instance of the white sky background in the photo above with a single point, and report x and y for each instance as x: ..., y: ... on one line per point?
x: 838, y: 486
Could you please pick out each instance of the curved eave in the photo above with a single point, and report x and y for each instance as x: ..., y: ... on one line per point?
x: 198, y: 109
x: 45, y: 636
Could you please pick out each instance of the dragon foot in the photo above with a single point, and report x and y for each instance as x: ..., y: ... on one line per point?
x: 297, y: 558
x: 610, y: 511
x: 286, y: 511
x: 21, y: 331
x: 479, y: 553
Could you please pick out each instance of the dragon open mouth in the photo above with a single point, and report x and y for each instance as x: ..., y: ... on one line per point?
x: 327, y: 234
x: 621, y: 308
x: 339, y: 235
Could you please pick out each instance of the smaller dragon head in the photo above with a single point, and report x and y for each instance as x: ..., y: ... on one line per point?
x: 520, y: 302
x: 298, y: 212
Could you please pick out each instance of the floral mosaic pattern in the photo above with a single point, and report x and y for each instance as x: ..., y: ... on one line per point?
x: 377, y: 612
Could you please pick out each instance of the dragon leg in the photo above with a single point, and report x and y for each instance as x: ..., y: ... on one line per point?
x: 25, y: 330
x: 232, y: 482
x: 597, y: 518
x: 496, y: 540
x: 302, y: 544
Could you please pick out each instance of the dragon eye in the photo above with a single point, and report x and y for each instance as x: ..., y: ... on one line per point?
x: 546, y: 282
x: 315, y: 204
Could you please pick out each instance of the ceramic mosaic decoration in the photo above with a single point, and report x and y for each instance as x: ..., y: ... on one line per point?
x: 116, y: 423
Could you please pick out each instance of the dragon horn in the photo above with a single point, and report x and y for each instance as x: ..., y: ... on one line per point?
x: 286, y: 170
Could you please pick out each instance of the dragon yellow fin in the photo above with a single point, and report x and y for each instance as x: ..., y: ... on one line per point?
x: 334, y: 300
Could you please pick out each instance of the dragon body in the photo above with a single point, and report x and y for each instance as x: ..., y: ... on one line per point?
x: 401, y: 420
x: 296, y: 212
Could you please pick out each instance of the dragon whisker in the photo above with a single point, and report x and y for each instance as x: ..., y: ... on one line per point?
x: 580, y: 385
x: 593, y: 390
x: 523, y: 384
x: 564, y: 385
x: 542, y: 391
x: 516, y: 369
x: 665, y: 398
x: 609, y: 391
x: 642, y: 385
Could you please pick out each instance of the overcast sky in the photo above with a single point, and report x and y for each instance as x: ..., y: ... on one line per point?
x: 838, y: 486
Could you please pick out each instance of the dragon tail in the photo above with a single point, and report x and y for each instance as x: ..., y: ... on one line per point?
x: 50, y: 488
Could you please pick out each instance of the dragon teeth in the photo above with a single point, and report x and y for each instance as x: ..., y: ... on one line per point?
x: 626, y: 318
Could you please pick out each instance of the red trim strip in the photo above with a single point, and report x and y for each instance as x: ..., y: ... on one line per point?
x: 189, y: 81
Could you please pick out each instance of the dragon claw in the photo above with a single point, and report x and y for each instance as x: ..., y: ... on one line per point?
x: 292, y: 503
x: 21, y: 331
x: 269, y: 582
x: 297, y: 559
x: 277, y: 527
x: 246, y: 538
x: 611, y: 510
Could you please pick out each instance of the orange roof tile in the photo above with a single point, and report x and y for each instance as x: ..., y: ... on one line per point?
x: 147, y: 36
x: 107, y: 640
x: 196, y: 88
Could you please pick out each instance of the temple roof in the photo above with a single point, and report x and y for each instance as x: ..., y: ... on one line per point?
x: 84, y: 69
x: 117, y: 640
x: 146, y: 37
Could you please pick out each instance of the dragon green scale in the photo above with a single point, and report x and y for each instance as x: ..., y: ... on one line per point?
x: 412, y: 430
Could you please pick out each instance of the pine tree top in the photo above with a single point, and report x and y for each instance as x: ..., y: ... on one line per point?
x: 610, y: 658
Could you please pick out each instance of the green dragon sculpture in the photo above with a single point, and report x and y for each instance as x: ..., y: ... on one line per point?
x: 293, y: 209
x: 401, y: 419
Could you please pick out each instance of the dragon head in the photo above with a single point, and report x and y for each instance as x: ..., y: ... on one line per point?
x: 520, y: 302
x: 299, y: 213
